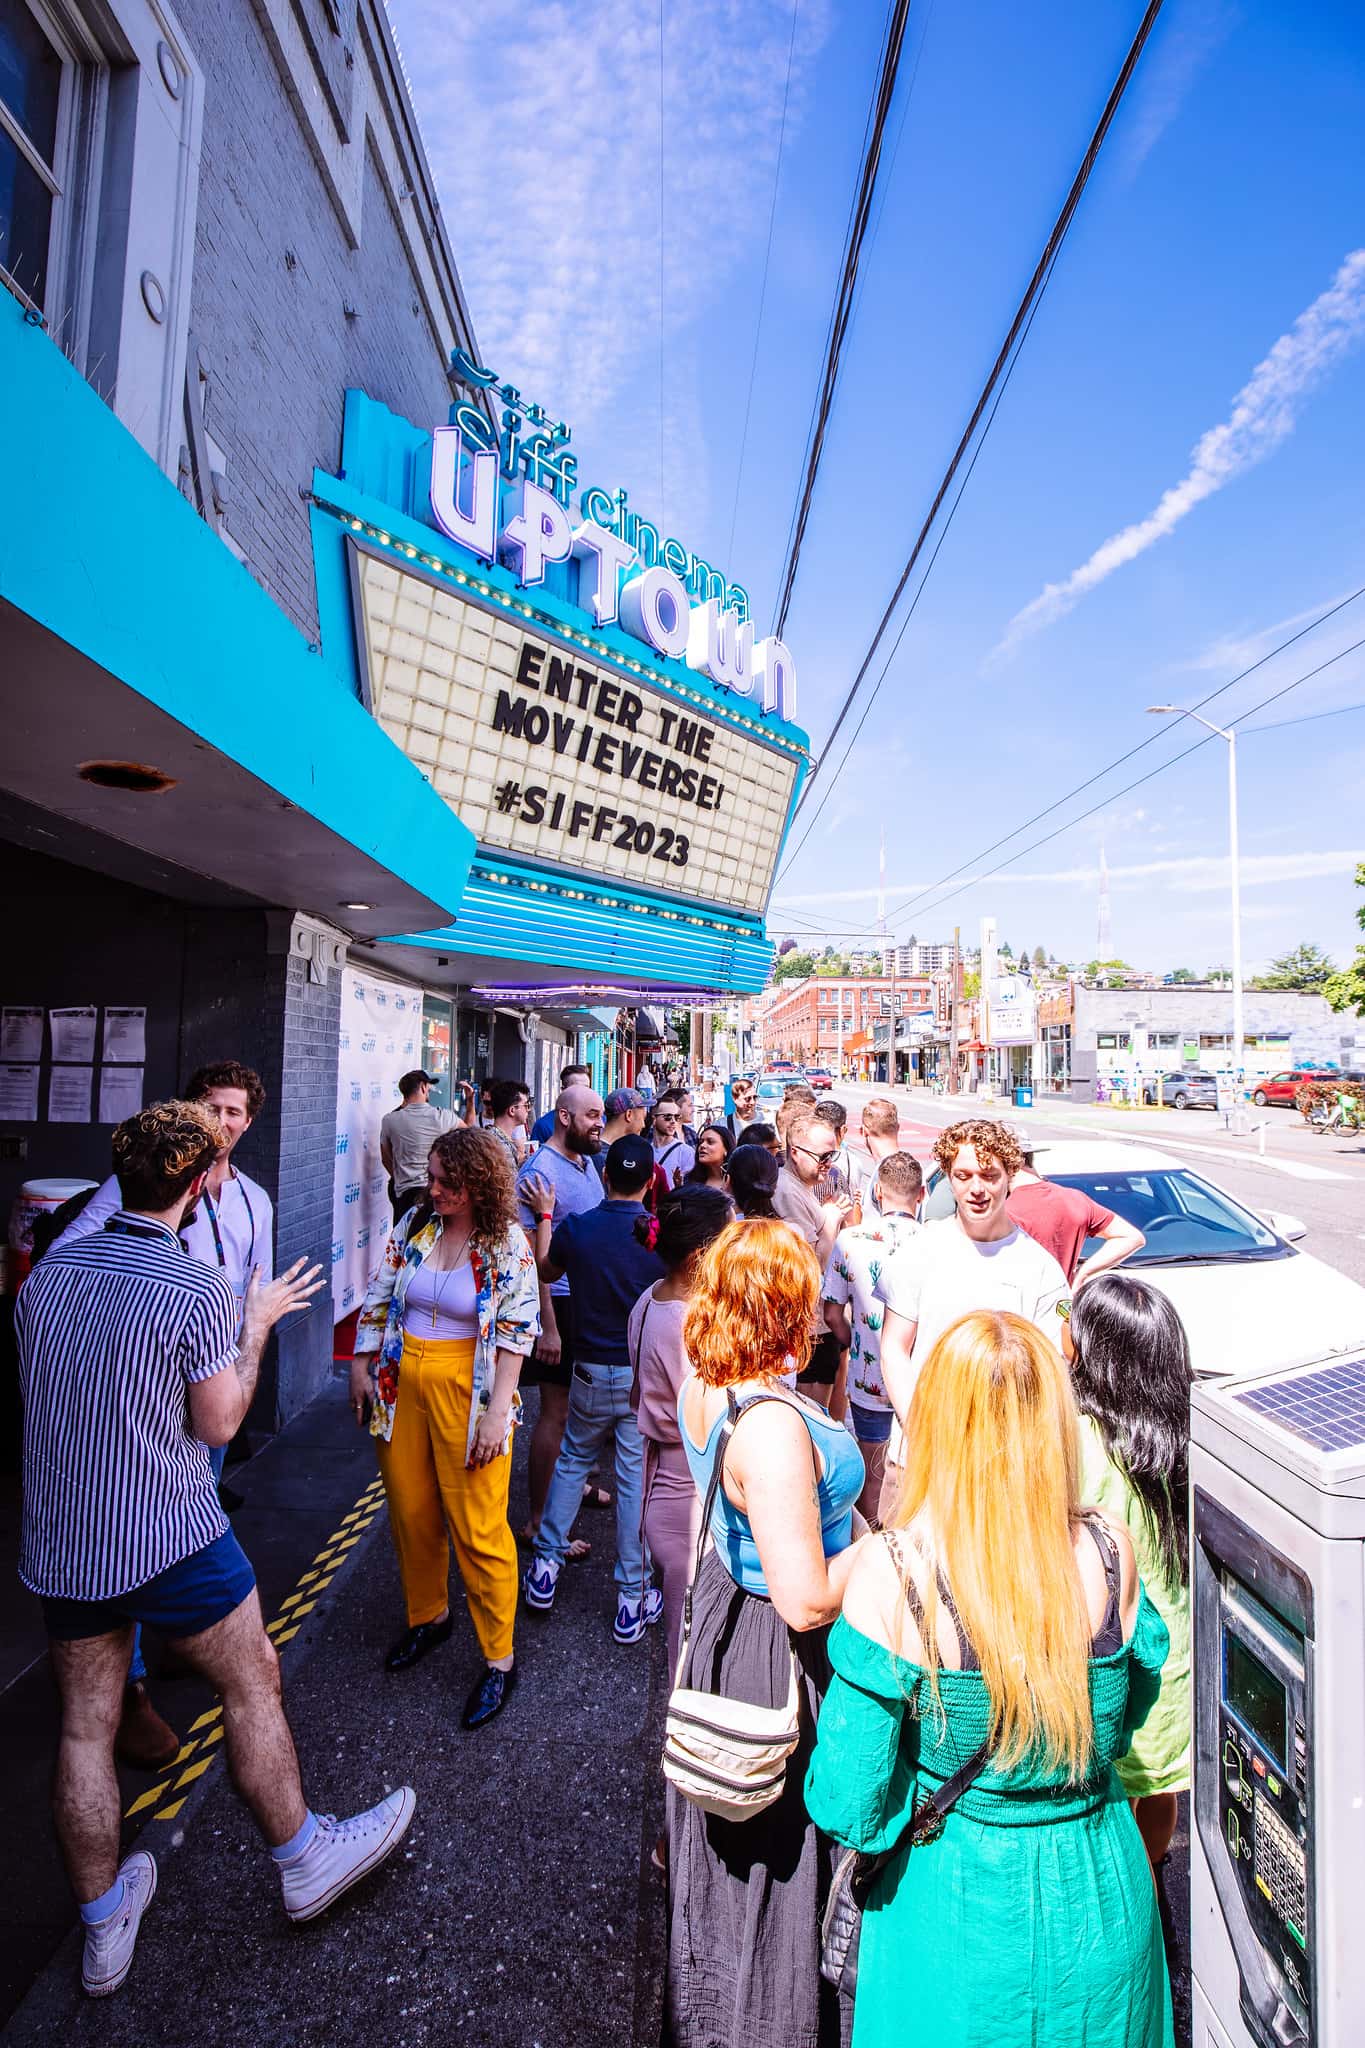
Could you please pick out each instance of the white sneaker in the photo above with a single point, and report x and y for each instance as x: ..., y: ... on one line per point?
x: 342, y: 1851
x: 109, y: 1944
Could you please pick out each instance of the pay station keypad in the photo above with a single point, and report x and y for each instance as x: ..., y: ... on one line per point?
x: 1280, y: 1868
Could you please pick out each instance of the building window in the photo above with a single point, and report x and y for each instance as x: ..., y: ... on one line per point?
x: 34, y: 97
x: 1107, y: 1041
x: 1213, y: 1041
x: 1165, y: 1041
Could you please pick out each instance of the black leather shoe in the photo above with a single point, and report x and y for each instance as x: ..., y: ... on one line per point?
x: 488, y: 1698
x: 411, y: 1648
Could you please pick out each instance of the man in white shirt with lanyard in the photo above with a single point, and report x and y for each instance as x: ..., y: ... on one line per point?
x: 233, y: 1228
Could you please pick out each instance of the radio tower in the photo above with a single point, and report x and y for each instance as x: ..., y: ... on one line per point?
x: 1104, y: 935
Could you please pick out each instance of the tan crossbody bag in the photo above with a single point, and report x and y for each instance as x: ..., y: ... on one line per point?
x: 726, y: 1756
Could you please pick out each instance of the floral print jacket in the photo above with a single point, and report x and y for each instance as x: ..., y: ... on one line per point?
x: 508, y: 1311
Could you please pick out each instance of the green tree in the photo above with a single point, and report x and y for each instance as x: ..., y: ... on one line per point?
x: 1305, y: 966
x: 971, y: 985
x: 1184, y: 974
x: 1346, y: 989
x: 1039, y: 957
x: 1005, y: 950
x: 1107, y: 973
x: 831, y: 962
x: 793, y: 967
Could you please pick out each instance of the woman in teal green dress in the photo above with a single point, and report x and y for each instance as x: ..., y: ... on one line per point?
x: 994, y: 1608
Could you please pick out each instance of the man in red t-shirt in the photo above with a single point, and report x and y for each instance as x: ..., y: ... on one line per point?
x: 1061, y: 1220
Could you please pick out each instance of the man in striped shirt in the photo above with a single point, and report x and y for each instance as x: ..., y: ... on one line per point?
x: 131, y: 1366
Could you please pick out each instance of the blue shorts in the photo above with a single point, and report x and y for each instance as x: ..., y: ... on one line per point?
x: 871, y: 1425
x: 184, y: 1600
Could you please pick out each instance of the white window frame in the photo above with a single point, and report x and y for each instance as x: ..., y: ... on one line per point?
x: 69, y: 177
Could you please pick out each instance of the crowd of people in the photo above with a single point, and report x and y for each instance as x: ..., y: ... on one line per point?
x: 945, y: 1461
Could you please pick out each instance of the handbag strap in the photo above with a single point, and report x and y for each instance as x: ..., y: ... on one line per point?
x: 733, y: 1410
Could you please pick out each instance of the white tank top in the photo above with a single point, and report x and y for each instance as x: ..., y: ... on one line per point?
x: 442, y: 1304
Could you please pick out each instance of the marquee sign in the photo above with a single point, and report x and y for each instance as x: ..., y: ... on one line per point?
x: 563, y: 759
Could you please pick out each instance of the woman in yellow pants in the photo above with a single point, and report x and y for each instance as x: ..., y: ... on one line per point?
x: 447, y: 1320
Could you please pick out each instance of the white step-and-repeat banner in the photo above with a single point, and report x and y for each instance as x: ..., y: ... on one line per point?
x: 381, y: 1037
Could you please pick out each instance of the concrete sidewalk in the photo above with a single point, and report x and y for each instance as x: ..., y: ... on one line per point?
x: 521, y: 1909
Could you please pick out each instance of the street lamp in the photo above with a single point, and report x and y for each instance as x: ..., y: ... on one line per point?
x: 1238, y: 1047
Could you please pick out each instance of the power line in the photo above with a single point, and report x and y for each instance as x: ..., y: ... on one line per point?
x: 1310, y: 718
x: 931, y: 889
x: 1017, y: 332
x: 1139, y: 747
x: 1160, y: 769
x: 762, y: 291
x: 848, y: 277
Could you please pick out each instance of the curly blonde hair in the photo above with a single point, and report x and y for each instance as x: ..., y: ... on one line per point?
x: 160, y: 1152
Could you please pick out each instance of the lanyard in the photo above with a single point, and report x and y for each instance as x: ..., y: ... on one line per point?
x: 212, y: 1214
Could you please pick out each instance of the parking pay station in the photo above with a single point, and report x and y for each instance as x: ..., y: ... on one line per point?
x: 1277, y: 1850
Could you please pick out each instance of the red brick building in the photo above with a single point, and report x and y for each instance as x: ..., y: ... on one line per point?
x: 802, y: 1017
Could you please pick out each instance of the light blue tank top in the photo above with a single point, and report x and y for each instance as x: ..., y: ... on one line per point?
x: 840, y: 1485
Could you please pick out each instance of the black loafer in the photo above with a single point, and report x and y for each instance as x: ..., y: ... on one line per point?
x: 488, y: 1698
x: 411, y: 1648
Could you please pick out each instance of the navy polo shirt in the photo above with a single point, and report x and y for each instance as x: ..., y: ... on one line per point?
x: 609, y: 1269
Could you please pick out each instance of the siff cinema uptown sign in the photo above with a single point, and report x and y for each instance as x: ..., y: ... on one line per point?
x: 629, y: 575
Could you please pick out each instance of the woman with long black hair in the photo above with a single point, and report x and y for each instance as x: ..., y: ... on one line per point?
x: 1130, y: 1363
x: 753, y: 1177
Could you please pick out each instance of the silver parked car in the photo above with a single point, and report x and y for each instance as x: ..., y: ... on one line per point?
x: 1191, y: 1088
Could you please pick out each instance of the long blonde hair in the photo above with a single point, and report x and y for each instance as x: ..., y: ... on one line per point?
x: 992, y: 1476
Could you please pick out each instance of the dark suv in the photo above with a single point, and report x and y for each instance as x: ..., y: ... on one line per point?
x: 1192, y: 1088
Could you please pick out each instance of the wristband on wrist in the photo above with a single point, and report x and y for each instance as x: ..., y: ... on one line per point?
x: 547, y: 1218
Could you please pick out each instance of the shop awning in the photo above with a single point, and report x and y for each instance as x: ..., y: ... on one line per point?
x: 649, y: 1030
x: 133, y: 635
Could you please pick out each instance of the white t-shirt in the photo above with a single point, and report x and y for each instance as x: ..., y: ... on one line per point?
x: 942, y: 1274
x: 851, y: 1277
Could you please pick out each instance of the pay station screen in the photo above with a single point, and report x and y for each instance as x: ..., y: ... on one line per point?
x: 1256, y: 1697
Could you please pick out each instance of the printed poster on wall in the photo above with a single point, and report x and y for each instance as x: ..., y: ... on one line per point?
x: 381, y: 1025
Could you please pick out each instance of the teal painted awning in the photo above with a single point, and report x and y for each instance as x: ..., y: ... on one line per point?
x: 133, y: 632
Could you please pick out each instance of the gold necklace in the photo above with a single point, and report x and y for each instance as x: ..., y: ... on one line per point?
x: 439, y: 1289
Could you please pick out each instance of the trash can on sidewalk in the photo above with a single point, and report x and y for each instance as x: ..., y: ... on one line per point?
x: 1023, y: 1098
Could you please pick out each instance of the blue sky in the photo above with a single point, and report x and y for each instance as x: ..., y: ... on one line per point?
x: 1207, y: 284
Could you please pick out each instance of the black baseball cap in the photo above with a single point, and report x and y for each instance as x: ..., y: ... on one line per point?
x: 414, y: 1080
x: 629, y: 1162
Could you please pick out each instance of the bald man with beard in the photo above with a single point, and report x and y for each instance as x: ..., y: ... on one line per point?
x: 558, y: 1180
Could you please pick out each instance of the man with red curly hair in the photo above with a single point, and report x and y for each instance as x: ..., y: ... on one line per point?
x: 977, y: 1258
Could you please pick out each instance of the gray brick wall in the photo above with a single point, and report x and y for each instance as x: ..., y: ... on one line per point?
x: 309, y: 1026
x: 273, y: 276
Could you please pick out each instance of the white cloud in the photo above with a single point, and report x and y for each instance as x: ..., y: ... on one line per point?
x: 1240, y: 650
x: 542, y: 124
x: 1263, y: 414
x: 1194, y: 872
x: 1167, y: 77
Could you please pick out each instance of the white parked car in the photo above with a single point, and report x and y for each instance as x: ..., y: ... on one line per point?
x: 1250, y: 1300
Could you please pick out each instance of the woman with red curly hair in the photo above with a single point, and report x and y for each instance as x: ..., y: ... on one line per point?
x: 746, y: 1896
x: 448, y: 1319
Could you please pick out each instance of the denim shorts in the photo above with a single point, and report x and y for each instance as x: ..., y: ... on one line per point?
x: 184, y: 1600
x: 871, y: 1425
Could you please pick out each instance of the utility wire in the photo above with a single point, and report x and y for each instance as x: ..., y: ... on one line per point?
x: 1206, y: 740
x: 848, y: 278
x: 762, y: 290
x: 1017, y: 330
x: 1139, y: 747
x: 931, y: 889
x: 1310, y: 718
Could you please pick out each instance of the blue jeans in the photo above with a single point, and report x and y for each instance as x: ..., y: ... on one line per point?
x: 599, y: 1410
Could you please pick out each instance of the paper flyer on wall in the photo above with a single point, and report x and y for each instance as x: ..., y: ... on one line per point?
x: 21, y: 1032
x: 68, y: 1095
x: 18, y: 1095
x: 120, y: 1093
x: 73, y: 1033
x: 125, y: 1035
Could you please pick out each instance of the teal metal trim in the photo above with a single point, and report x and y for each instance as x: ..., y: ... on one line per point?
x: 98, y: 546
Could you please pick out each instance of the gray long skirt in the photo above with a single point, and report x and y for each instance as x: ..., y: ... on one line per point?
x: 745, y: 1897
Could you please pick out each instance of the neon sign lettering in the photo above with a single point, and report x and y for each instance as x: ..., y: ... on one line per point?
x: 656, y: 589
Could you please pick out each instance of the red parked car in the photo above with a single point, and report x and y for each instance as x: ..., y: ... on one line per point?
x: 819, y: 1077
x: 1281, y: 1089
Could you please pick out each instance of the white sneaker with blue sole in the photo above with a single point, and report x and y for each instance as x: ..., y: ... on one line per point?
x: 633, y: 1617
x: 541, y: 1582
